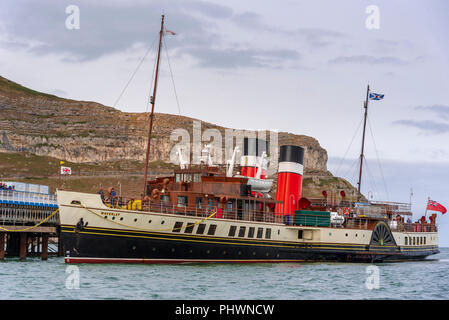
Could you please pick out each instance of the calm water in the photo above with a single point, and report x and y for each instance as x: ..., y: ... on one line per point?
x: 34, y: 279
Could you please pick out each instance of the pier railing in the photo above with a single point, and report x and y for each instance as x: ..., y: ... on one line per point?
x: 25, y: 208
x: 25, y: 216
x: 28, y: 198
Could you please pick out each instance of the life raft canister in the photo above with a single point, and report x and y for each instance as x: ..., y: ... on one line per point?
x: 346, y: 211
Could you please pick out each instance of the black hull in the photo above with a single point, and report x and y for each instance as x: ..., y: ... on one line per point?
x: 94, y: 245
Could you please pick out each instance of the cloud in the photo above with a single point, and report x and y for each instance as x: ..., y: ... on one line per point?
x: 428, y: 126
x: 441, y: 111
x: 104, y: 28
x: 210, y: 9
x: 234, y: 58
x: 111, y: 27
x: 367, y: 59
x: 314, y: 37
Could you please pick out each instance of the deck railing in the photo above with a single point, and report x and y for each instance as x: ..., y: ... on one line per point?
x: 351, y: 222
x: 197, y: 211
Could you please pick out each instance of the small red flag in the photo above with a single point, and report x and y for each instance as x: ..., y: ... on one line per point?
x: 170, y: 32
x: 435, y: 206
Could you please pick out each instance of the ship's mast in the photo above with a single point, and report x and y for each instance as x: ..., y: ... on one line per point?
x: 152, y: 101
x: 363, y: 141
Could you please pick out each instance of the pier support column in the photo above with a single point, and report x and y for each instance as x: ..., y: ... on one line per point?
x: 23, y: 246
x: 60, y: 246
x: 12, y: 244
x: 2, y: 245
x: 44, y: 246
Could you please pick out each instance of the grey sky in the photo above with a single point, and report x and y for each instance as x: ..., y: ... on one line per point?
x: 296, y: 66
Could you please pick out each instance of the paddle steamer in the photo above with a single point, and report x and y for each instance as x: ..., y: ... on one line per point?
x: 213, y: 213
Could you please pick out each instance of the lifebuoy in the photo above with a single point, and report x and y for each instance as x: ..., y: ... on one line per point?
x: 155, y: 194
x: 346, y: 211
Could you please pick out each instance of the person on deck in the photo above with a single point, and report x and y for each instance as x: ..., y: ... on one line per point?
x: 101, y: 192
x: 113, y: 196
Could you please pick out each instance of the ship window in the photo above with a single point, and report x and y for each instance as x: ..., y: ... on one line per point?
x: 182, y: 201
x: 189, y: 228
x: 242, y: 231
x: 299, y: 234
x: 425, y: 239
x: 188, y: 177
x: 229, y: 206
x: 75, y: 202
x: 178, y: 177
x: 414, y: 240
x: 196, y: 177
x: 232, y: 230
x: 201, y: 228
x: 268, y: 233
x: 199, y: 202
x: 251, y: 232
x: 165, y: 198
x: 259, y: 233
x: 406, y: 240
x: 210, y: 204
x: 212, y: 229
x: 422, y: 241
x: 177, y: 227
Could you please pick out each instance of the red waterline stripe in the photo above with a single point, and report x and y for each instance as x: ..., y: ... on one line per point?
x: 170, y: 261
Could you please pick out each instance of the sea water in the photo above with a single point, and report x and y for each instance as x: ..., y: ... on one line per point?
x: 53, y: 279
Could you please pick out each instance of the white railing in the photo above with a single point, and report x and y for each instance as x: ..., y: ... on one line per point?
x: 27, y: 198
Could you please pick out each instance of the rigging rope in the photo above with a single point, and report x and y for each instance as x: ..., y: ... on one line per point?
x: 134, y: 73
x: 378, y: 161
x: 151, y: 84
x: 352, y: 140
x: 371, y: 178
x: 171, y: 73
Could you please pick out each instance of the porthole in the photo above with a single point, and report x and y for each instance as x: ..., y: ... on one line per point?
x: 279, y: 231
x: 134, y: 247
x: 173, y: 250
x: 113, y: 218
x: 224, y: 252
x: 240, y: 252
x: 154, y: 249
x: 268, y: 254
x: 162, y: 222
x: 356, y: 234
x: 121, y: 218
x: 190, y: 251
x: 254, y: 253
x: 330, y: 233
x: 149, y: 221
x: 105, y: 217
x: 208, y: 251
x: 135, y: 220
x: 346, y: 234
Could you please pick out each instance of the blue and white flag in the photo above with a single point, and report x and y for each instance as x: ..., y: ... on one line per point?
x: 376, y: 96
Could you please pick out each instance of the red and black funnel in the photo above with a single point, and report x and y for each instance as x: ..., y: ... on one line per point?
x: 252, y: 153
x: 289, y: 184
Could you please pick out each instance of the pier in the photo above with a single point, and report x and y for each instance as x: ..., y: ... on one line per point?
x: 29, y: 225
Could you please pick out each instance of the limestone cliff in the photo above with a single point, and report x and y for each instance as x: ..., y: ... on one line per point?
x: 83, y: 132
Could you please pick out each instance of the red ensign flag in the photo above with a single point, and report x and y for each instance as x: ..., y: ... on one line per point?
x: 435, y: 206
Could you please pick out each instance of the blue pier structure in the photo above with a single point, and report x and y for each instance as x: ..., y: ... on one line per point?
x: 29, y: 222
